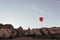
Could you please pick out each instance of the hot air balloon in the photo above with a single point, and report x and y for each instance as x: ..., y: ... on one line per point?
x: 41, y: 19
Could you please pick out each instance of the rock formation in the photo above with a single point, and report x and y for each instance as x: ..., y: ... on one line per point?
x: 20, y: 31
x: 7, y: 31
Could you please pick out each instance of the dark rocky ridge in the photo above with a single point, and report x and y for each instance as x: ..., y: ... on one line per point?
x: 7, y: 31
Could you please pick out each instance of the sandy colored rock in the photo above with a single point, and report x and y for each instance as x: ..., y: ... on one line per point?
x: 54, y: 30
x: 20, y: 31
x: 45, y: 31
x: 5, y: 33
x: 36, y: 32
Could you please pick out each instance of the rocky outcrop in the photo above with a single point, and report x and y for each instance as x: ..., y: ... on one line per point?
x: 8, y: 31
x: 45, y: 31
x: 54, y: 30
x: 5, y: 33
x: 36, y: 32
x: 20, y: 31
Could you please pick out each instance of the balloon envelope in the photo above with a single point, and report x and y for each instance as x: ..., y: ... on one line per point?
x: 41, y: 19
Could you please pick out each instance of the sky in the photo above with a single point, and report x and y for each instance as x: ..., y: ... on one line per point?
x: 26, y: 13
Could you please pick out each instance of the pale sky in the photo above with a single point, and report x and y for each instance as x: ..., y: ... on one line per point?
x: 26, y: 13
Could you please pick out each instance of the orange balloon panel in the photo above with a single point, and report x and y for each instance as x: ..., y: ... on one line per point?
x: 41, y: 19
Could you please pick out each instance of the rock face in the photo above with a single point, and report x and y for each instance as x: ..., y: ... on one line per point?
x: 54, y: 30
x: 33, y: 32
x: 45, y: 31
x: 36, y: 32
x: 20, y: 31
x: 27, y: 32
x: 7, y: 31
